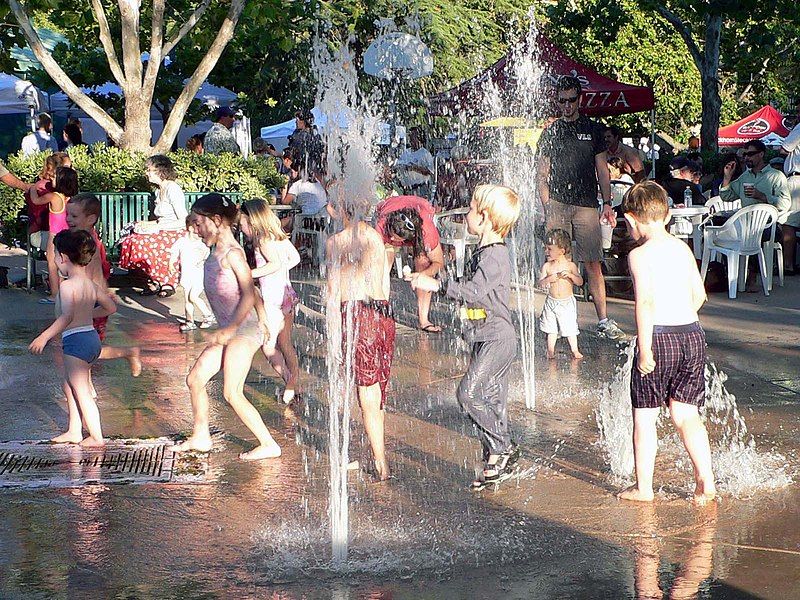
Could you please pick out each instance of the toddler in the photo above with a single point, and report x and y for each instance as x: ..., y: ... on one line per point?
x: 191, y: 253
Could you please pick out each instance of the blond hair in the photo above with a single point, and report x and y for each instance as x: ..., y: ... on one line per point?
x: 647, y: 202
x: 502, y: 205
x: 264, y: 223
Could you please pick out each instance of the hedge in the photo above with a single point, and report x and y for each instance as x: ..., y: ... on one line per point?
x: 105, y: 169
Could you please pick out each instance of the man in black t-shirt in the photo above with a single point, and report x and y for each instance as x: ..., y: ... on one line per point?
x: 572, y: 160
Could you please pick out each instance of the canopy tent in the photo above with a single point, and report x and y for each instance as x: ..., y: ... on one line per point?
x: 601, y: 96
x: 18, y: 96
x: 766, y: 122
x: 278, y: 134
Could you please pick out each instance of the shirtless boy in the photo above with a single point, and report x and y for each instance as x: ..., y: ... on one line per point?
x: 671, y: 347
x: 358, y: 287
x: 75, y: 308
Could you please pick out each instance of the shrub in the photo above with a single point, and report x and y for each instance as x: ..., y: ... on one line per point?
x: 105, y: 169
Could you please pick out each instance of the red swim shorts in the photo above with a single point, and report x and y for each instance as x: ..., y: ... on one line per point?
x: 374, y: 342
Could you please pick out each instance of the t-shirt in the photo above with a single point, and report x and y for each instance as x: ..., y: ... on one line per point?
x: 430, y: 234
x: 38, y: 141
x: 309, y: 196
x: 791, y: 143
x: 38, y: 219
x: 170, y: 209
x: 571, y: 147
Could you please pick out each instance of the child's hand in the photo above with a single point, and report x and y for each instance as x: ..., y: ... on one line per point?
x: 173, y: 267
x: 262, y: 325
x: 37, y: 345
x: 646, y: 363
x: 424, y: 282
x: 222, y: 336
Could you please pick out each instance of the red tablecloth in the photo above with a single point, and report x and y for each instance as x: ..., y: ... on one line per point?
x: 149, y: 254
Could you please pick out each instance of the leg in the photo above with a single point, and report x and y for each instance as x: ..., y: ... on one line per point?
x: 196, y: 299
x: 573, y: 345
x: 645, y: 444
x: 52, y: 271
x: 424, y: 298
x: 132, y: 355
x: 74, y: 432
x: 188, y: 306
x: 236, y: 360
x: 77, y: 372
x: 695, y: 438
x: 369, y: 397
x: 286, y: 348
x: 552, y: 338
x: 206, y: 366
x: 789, y: 243
x: 597, y: 287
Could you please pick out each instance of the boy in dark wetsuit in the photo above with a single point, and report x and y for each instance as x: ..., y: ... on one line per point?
x: 488, y: 328
x: 671, y: 347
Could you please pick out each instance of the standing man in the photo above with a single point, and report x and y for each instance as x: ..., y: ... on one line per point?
x: 415, y: 166
x: 791, y: 166
x: 614, y: 147
x: 11, y: 180
x: 572, y: 160
x: 219, y: 138
x: 41, y: 139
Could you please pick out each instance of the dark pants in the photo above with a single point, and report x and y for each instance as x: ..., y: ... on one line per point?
x: 483, y: 392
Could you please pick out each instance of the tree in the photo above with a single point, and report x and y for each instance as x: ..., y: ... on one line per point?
x: 121, y: 37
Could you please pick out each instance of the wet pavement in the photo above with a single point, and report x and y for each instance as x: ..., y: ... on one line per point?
x: 221, y: 528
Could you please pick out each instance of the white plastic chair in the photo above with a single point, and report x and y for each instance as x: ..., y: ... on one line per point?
x: 317, y: 230
x: 740, y: 236
x: 773, y: 249
x: 452, y: 227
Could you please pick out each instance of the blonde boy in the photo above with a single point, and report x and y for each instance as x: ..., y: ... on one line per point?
x: 671, y: 347
x: 560, y: 313
x: 487, y: 326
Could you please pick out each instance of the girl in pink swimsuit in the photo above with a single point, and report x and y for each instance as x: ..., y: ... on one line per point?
x: 232, y: 296
x: 65, y: 186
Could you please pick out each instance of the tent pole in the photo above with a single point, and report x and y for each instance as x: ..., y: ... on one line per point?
x: 652, y: 143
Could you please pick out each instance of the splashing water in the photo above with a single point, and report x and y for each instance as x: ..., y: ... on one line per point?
x: 739, y: 468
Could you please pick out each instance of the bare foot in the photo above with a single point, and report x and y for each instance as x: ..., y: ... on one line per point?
x: 636, y: 495
x: 199, y: 444
x: 263, y: 451
x: 90, y: 442
x: 703, y: 494
x: 135, y: 362
x: 551, y: 355
x: 577, y: 355
x: 430, y: 328
x: 382, y: 471
x: 353, y: 465
x: 288, y: 395
x: 68, y: 438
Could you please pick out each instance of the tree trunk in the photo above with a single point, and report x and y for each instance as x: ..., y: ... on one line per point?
x: 709, y: 79
x: 137, y: 133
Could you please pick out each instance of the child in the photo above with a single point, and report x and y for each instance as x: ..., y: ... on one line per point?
x: 560, y: 312
x: 83, y: 210
x: 65, y: 185
x: 232, y: 295
x: 75, y: 307
x: 483, y: 392
x: 671, y: 348
x: 275, y: 255
x: 190, y: 253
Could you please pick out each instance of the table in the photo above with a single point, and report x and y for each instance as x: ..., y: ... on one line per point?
x: 694, y: 216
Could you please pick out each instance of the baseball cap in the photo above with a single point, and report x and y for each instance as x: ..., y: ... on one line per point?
x: 224, y: 111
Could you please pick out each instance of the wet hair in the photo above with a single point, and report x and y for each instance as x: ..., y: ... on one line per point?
x: 51, y: 163
x: 559, y: 238
x: 614, y: 130
x: 90, y: 204
x: 195, y: 143
x: 407, y: 225
x: 264, y: 223
x: 501, y: 203
x: 163, y: 166
x: 568, y: 82
x: 647, y: 202
x: 78, y: 246
x: 73, y: 133
x: 216, y: 205
x: 66, y: 181
x: 44, y: 121
x: 757, y: 145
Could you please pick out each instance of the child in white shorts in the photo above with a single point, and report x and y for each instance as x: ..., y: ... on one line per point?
x: 559, y: 316
x: 191, y: 253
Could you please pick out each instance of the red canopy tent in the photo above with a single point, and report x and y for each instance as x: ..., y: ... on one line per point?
x: 601, y: 96
x: 764, y: 121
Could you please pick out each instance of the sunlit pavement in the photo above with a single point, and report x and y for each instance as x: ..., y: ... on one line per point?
x: 243, y: 530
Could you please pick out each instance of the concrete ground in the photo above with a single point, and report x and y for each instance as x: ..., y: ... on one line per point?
x: 237, y: 530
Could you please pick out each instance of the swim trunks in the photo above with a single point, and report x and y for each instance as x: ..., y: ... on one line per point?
x: 560, y: 316
x: 374, y: 341
x: 82, y: 343
x: 680, y: 355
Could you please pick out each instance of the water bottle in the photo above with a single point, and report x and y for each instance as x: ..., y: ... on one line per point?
x: 687, y: 197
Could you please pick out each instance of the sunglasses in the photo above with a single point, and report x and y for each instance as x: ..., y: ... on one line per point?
x: 751, y: 153
x: 408, y: 223
x: 570, y: 100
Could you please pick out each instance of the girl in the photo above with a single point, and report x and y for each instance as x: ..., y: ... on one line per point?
x: 231, y: 293
x: 275, y: 255
x: 65, y: 185
x: 188, y: 255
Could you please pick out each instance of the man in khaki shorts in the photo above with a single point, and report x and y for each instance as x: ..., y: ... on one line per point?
x: 572, y: 159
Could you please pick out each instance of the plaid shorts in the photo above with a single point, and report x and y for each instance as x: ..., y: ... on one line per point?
x: 680, y: 355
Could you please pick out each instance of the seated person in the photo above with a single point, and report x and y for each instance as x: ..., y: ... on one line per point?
x: 682, y: 175
x: 759, y: 183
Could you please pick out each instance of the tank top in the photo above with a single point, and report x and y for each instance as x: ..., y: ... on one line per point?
x: 273, y: 286
x: 222, y: 290
x: 58, y: 220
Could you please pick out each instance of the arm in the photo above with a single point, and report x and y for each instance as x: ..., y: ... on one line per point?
x: 238, y: 264
x: 637, y: 166
x: 573, y: 275
x: 333, y: 296
x: 543, y: 179
x: 37, y: 199
x: 545, y: 278
x: 11, y: 180
x: 270, y: 253
x: 66, y: 296
x: 604, y: 179
x: 288, y: 198
x: 107, y: 306
x: 698, y: 290
x: 174, y: 256
x: 644, y: 313
x: 436, y: 256
x: 779, y: 196
x: 729, y: 190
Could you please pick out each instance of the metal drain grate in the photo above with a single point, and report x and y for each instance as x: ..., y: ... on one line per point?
x: 36, y: 464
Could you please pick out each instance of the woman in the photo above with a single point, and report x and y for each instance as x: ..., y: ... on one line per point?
x: 73, y: 135
x: 147, y: 250
x: 195, y: 143
x: 408, y: 221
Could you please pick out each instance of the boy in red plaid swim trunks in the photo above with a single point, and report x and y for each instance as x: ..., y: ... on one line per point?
x: 670, y: 348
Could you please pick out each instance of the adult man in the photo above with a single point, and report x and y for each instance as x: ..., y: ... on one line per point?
x: 415, y: 166
x: 759, y: 183
x: 219, y: 138
x: 683, y: 173
x: 614, y: 147
x: 791, y: 166
x: 11, y: 180
x: 39, y: 140
x: 572, y: 161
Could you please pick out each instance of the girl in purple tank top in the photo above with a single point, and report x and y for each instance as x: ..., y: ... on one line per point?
x: 232, y: 296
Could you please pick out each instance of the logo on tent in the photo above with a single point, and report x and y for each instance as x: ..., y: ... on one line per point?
x: 755, y: 127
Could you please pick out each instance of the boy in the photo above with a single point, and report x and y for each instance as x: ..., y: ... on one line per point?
x: 190, y: 254
x: 83, y: 210
x: 487, y: 324
x: 560, y: 312
x: 671, y: 348
x: 75, y: 307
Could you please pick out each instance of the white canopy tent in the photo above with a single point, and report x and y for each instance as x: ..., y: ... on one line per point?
x: 18, y: 96
x: 278, y: 134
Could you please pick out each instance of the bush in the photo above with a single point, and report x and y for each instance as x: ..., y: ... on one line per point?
x: 105, y: 169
